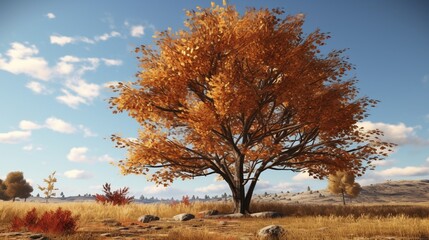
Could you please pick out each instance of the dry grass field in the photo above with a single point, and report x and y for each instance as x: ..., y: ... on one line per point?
x: 300, y: 221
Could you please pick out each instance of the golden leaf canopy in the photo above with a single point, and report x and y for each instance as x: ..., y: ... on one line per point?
x: 244, y: 93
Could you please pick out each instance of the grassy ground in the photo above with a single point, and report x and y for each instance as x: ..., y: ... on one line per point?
x: 300, y: 221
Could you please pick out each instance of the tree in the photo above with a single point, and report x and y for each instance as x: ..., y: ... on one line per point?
x: 236, y: 95
x: 344, y: 183
x: 17, y: 186
x: 3, y: 195
x: 48, y: 191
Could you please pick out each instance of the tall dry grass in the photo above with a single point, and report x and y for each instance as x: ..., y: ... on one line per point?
x: 301, y: 221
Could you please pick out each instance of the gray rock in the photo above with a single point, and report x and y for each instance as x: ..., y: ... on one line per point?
x: 148, y: 218
x: 208, y: 213
x: 183, y: 217
x: 272, y: 232
x: 35, y: 236
x: 266, y: 215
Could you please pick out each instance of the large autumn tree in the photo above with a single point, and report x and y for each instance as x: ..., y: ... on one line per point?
x: 236, y: 95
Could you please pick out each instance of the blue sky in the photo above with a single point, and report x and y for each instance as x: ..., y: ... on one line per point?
x: 56, y: 57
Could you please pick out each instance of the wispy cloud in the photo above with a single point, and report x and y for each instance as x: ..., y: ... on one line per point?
x: 14, y: 137
x: 31, y: 147
x: 302, y: 176
x: 395, y: 133
x: 404, y: 171
x: 78, y: 174
x: 64, y: 40
x: 22, y: 60
x: 80, y: 154
x: 137, y: 30
x: 59, y: 125
x: 87, y: 132
x: 70, y: 100
x: 50, y: 15
x: 37, y: 87
x: 112, y: 62
x: 212, y: 188
x: 29, y: 125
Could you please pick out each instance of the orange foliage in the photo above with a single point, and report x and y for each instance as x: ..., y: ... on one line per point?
x: 236, y: 95
x: 118, y: 197
x: 59, y: 222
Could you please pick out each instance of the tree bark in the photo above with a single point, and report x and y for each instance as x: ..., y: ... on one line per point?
x: 344, y: 200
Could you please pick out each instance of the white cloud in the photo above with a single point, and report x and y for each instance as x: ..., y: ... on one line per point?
x: 111, y: 83
x: 404, y: 172
x: 302, y: 176
x: 22, y: 61
x: 396, y: 133
x: 14, y: 136
x: 112, y: 62
x: 106, y: 36
x: 37, y: 87
x: 30, y: 147
x: 28, y: 125
x: 212, y: 188
x: 106, y: 158
x: 58, y: 125
x: 64, y: 68
x: 61, y: 40
x: 86, y: 90
x: 155, y: 189
x: 137, y: 31
x: 87, y: 132
x: 70, y: 59
x: 383, y: 163
x: 70, y: 100
x: 50, y: 15
x: 77, y: 174
x: 78, y: 154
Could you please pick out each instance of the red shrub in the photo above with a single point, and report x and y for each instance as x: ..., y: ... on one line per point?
x: 118, y: 197
x: 58, y: 222
x: 185, y: 200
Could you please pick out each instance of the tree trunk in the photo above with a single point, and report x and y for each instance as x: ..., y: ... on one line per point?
x: 241, y: 205
x: 344, y: 200
x: 13, y: 199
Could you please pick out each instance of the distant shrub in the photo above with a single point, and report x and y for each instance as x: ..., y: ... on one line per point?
x: 60, y: 222
x: 118, y: 197
x: 185, y: 200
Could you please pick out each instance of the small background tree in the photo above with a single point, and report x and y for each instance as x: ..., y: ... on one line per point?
x: 3, y: 195
x: 344, y: 183
x: 48, y: 191
x: 17, y: 186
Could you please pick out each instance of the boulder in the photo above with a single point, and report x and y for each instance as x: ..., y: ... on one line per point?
x: 266, y: 215
x: 272, y: 232
x: 183, y: 217
x: 148, y: 218
x: 208, y: 213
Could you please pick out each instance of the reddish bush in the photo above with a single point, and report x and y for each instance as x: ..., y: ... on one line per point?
x: 59, y: 222
x: 185, y: 200
x: 118, y: 197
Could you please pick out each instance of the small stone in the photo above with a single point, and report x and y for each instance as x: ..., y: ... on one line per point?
x: 148, y: 218
x: 157, y: 228
x: 222, y: 223
x: 106, y: 235
x: 123, y: 228
x: 183, y: 217
x: 36, y: 236
x: 272, y: 232
x: 266, y: 215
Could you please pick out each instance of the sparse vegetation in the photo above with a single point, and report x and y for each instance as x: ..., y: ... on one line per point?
x: 59, y: 222
x: 48, y: 191
x: 344, y: 183
x: 117, y: 197
x: 301, y: 221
